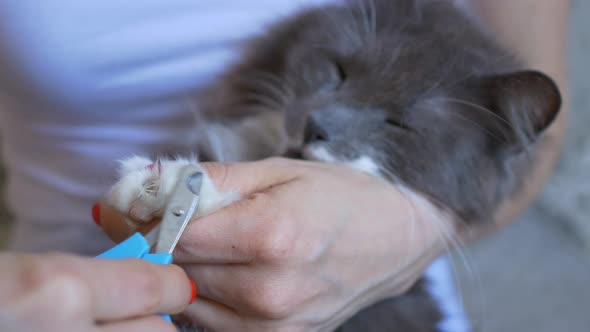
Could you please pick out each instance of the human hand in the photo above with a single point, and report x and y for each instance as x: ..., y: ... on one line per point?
x: 58, y: 292
x: 309, y: 246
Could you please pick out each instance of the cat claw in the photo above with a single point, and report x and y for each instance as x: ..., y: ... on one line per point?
x: 145, y: 186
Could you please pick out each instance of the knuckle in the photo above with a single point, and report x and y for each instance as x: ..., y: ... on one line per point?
x: 33, y: 273
x: 51, y: 279
x: 275, y: 234
x: 272, y: 249
x: 270, y: 302
x: 39, y: 271
x: 74, y: 294
x: 275, y: 244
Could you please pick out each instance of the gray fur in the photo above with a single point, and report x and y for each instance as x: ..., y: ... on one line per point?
x: 415, y: 85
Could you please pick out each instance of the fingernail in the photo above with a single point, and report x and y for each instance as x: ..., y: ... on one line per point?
x: 193, y: 292
x: 96, y: 213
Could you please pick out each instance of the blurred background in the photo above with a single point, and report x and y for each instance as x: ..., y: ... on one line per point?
x: 535, y: 274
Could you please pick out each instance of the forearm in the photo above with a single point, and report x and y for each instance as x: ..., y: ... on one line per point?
x: 536, y: 31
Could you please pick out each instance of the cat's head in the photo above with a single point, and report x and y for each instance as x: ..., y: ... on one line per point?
x: 454, y: 145
x: 414, y: 94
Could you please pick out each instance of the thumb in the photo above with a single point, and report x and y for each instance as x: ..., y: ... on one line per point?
x: 246, y: 178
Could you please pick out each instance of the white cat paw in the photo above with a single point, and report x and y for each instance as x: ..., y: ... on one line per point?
x: 145, y: 185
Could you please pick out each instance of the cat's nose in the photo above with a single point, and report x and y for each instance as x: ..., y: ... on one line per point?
x: 314, y: 131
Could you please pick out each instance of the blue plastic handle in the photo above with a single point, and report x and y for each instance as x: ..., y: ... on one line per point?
x: 136, y: 246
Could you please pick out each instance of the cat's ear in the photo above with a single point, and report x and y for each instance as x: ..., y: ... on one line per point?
x: 528, y: 102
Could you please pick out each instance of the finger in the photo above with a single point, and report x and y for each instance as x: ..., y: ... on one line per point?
x: 138, y: 288
x: 260, y: 291
x: 249, y: 177
x: 213, y: 316
x: 146, y: 324
x: 222, y: 283
x: 120, y: 289
x: 239, y: 287
x: 115, y: 225
x: 245, y: 231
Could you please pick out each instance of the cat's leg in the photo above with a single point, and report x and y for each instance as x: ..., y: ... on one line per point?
x: 145, y: 185
x: 248, y: 138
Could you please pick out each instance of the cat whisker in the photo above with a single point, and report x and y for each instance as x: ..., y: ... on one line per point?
x: 460, y: 80
x: 476, y: 106
x: 265, y: 96
x: 413, y: 218
x: 454, y: 246
x: 262, y: 82
x: 448, y: 70
x: 269, y: 78
x: 368, y: 18
x: 451, y: 242
x: 336, y: 27
x: 260, y: 99
x: 356, y: 30
x: 489, y: 132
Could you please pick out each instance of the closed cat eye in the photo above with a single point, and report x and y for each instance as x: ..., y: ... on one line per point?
x: 322, y: 70
x: 335, y: 78
x: 340, y: 70
x: 395, y: 123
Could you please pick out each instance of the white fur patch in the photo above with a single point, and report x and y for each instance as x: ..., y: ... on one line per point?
x: 142, y: 191
x: 318, y: 153
x: 442, y: 288
x: 363, y: 163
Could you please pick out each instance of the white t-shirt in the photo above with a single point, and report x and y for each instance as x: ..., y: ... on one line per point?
x: 84, y: 83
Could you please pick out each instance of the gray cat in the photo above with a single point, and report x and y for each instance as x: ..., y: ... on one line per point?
x: 412, y: 89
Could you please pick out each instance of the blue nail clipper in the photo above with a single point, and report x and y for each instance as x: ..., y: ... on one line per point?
x: 180, y: 208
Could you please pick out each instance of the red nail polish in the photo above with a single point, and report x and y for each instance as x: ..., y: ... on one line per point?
x: 96, y: 213
x: 193, y: 292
